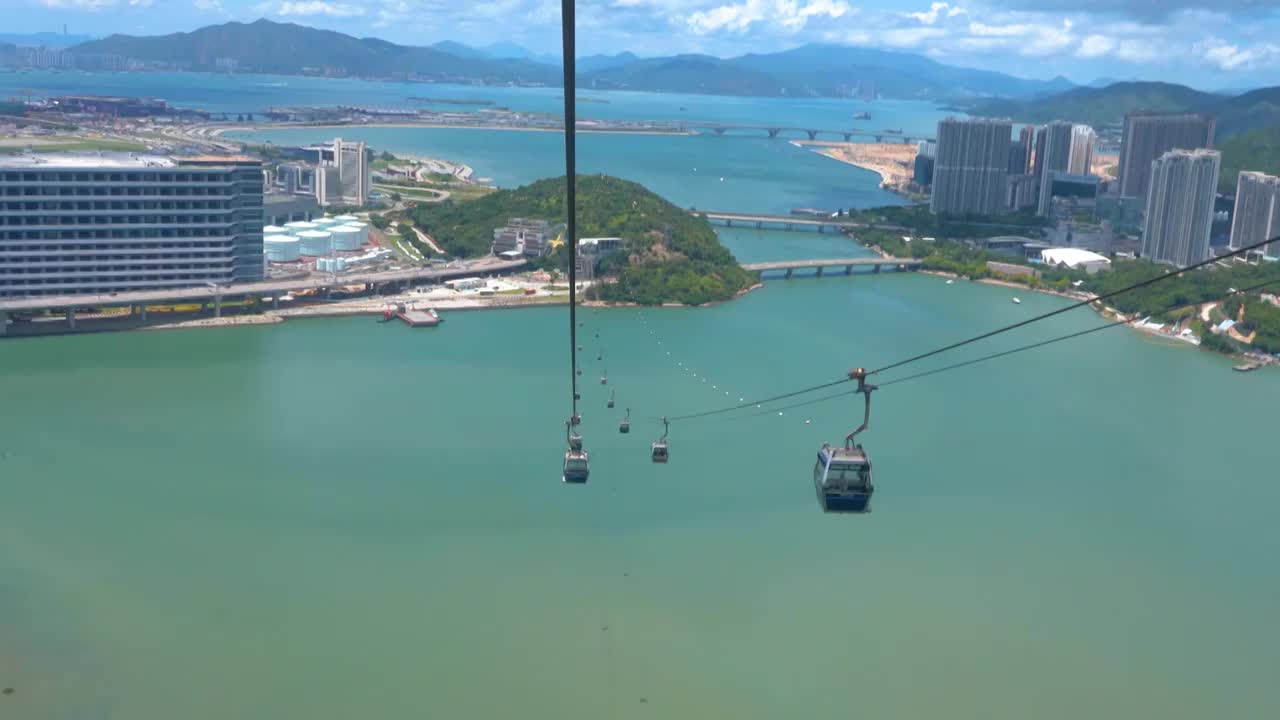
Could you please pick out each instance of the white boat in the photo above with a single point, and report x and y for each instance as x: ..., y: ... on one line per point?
x: 1016, y: 301
x: 951, y: 282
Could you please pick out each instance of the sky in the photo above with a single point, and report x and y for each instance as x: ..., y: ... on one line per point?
x: 1211, y: 44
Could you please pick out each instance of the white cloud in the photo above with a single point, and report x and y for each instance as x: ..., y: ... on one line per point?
x: 909, y: 37
x: 80, y: 4
x: 207, y: 5
x: 1095, y: 46
x: 1233, y: 57
x: 319, y: 7
x: 789, y: 15
x: 930, y: 16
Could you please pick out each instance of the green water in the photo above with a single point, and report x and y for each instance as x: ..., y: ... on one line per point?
x: 337, y: 518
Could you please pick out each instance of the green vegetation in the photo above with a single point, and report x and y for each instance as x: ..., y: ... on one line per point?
x: 74, y: 145
x: 670, y: 255
x: 1254, y: 150
x: 1259, y: 316
x: 918, y: 220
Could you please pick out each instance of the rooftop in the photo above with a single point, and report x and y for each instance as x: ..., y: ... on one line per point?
x: 85, y: 160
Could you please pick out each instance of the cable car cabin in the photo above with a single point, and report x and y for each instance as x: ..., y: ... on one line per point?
x: 660, y: 452
x: 842, y: 479
x: 624, y: 427
x: 604, y: 379
x: 577, y: 467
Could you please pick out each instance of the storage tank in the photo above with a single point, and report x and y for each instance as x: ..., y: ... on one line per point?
x: 347, y: 218
x: 346, y: 237
x: 315, y: 242
x: 298, y: 226
x: 324, y: 222
x: 275, y: 230
x: 281, y: 248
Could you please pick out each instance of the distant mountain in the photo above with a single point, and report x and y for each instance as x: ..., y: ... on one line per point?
x: 682, y: 74
x: 266, y: 46
x: 47, y: 39
x: 1257, y: 149
x: 1108, y: 105
x: 457, y: 48
x: 512, y: 51
x: 593, y: 63
x: 815, y: 69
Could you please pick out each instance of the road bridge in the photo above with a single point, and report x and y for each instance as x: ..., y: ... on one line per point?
x: 263, y: 290
x: 812, y: 132
x: 789, y: 222
x: 819, y: 266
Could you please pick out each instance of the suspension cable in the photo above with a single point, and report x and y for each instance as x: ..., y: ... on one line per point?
x: 1129, y: 288
x: 568, y: 25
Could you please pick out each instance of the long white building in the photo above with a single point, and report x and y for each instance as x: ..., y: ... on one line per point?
x: 112, y: 222
x: 1257, y: 211
x: 1179, y: 213
x: 971, y: 166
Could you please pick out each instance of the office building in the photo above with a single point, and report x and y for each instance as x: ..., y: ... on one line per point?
x: 1063, y: 194
x: 530, y: 238
x: 1149, y: 135
x: 1179, y: 212
x: 1256, y: 216
x: 1054, y: 157
x: 971, y: 166
x: 112, y: 222
x: 343, y: 175
x: 1084, y: 141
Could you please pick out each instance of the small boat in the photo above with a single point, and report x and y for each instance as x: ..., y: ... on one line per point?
x: 951, y: 282
x: 1247, y: 367
x: 893, y: 131
x: 1017, y: 301
x: 862, y: 115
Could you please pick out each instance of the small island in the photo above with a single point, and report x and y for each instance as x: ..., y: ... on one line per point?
x: 664, y: 254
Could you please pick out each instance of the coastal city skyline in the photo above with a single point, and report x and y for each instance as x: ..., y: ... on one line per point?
x: 1203, y: 44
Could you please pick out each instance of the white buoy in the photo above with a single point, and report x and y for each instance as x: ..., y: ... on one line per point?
x: 806, y: 422
x: 779, y: 412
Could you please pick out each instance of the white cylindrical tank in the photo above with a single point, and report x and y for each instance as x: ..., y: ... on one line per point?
x: 298, y: 226
x: 324, y: 222
x: 346, y: 237
x: 315, y: 242
x: 281, y: 248
x: 275, y: 230
x: 346, y: 218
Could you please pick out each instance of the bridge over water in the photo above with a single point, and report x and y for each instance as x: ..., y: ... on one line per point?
x: 788, y: 222
x: 775, y: 130
x: 819, y: 266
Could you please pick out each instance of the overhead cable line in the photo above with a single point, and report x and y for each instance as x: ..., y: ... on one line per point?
x: 568, y: 26
x: 998, y: 331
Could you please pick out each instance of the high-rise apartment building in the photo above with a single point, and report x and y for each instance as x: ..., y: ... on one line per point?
x: 1179, y: 213
x: 1027, y: 138
x: 1084, y: 142
x: 113, y: 222
x: 971, y: 166
x: 1257, y: 211
x: 1056, y: 157
x: 1149, y: 135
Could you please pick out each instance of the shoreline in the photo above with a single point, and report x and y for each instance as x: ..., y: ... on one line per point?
x: 217, y: 131
x: 893, y: 176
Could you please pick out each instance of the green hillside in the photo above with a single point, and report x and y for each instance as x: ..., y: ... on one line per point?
x: 286, y: 48
x: 670, y: 255
x: 1099, y: 106
x: 1253, y: 150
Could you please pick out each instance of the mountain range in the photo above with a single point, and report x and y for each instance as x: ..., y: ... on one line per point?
x: 1104, y: 106
x: 809, y: 70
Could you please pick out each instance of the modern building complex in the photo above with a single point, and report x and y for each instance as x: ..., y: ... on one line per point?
x: 1084, y: 141
x: 530, y: 238
x: 1064, y: 194
x: 343, y: 175
x: 110, y: 222
x: 1179, y: 213
x: 1256, y: 216
x: 971, y: 167
x: 1149, y: 135
x: 1055, y: 141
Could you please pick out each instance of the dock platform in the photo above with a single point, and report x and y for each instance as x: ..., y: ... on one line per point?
x: 419, y: 318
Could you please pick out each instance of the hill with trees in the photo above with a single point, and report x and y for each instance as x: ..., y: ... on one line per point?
x: 669, y: 255
x: 286, y: 48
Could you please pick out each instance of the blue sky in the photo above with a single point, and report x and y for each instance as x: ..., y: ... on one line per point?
x: 1206, y: 43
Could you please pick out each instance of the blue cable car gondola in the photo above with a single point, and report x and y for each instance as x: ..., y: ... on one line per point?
x: 660, y: 453
x: 577, y: 463
x: 842, y: 475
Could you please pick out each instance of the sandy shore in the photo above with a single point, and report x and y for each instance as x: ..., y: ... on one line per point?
x: 893, y: 162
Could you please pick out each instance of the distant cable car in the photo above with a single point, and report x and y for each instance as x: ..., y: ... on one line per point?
x: 842, y: 475
x: 624, y: 427
x: 604, y: 378
x: 577, y: 463
x: 611, y: 394
x: 660, y: 445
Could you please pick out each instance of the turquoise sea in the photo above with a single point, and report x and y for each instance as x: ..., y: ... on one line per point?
x: 338, y: 518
